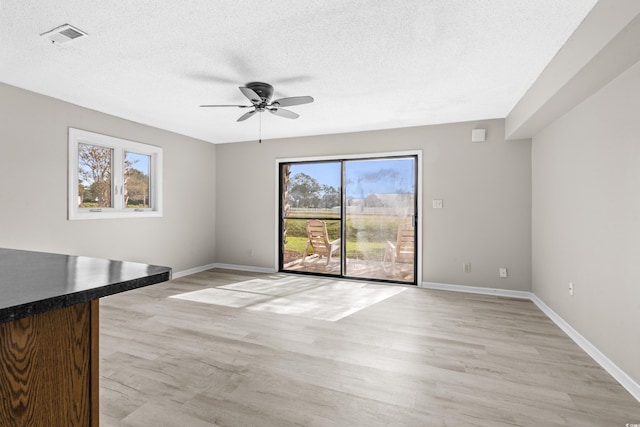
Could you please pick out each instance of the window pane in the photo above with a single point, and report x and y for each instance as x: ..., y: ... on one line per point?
x: 313, y: 190
x: 94, y: 176
x: 380, y: 235
x: 312, y: 251
x: 136, y: 180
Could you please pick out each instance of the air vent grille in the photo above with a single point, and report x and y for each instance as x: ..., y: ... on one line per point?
x: 71, y: 33
x: 63, y: 34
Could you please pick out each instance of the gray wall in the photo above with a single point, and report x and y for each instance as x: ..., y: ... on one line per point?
x: 586, y: 219
x: 33, y: 188
x: 486, y: 189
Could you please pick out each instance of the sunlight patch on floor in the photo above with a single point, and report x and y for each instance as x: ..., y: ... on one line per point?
x: 320, y: 299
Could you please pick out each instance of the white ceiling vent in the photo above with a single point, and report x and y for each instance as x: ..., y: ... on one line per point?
x: 64, y: 33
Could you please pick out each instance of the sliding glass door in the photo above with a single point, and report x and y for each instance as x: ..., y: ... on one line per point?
x: 350, y: 218
x: 380, y: 200
x: 311, y: 225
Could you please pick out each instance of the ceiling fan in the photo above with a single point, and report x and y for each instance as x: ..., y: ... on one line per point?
x: 260, y: 96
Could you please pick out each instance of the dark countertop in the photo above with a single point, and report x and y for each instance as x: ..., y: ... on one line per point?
x: 37, y: 282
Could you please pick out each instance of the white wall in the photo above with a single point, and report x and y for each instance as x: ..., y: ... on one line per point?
x: 486, y: 189
x: 604, y: 45
x: 586, y: 219
x: 33, y: 188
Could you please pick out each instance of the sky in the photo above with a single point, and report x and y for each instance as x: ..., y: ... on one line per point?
x: 363, y: 176
x: 139, y: 162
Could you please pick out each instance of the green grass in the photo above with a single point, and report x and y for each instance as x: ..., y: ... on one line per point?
x: 296, y: 244
x: 359, y: 250
x: 366, y: 235
x: 314, y: 213
x: 359, y: 227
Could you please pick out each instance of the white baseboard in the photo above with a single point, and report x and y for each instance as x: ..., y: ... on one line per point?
x: 192, y: 271
x: 477, y: 290
x: 625, y: 380
x: 245, y: 268
x: 618, y: 374
x: 225, y: 266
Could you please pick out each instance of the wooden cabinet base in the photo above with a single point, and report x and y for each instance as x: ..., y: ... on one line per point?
x: 49, y: 368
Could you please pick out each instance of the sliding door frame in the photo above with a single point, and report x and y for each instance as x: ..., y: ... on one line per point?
x: 346, y: 157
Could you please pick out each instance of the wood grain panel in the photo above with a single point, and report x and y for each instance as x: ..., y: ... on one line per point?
x: 95, y: 363
x: 45, y: 369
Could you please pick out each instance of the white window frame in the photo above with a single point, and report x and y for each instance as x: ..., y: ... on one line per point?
x: 119, y: 147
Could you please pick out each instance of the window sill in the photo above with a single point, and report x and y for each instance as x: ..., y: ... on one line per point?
x: 114, y: 215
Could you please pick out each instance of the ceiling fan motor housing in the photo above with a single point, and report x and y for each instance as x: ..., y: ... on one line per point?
x: 264, y: 90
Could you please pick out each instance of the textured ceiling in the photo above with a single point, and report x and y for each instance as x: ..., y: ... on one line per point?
x: 368, y: 64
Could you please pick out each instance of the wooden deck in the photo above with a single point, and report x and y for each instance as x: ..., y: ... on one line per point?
x: 359, y: 268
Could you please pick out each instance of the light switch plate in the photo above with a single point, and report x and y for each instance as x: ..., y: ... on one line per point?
x: 437, y: 204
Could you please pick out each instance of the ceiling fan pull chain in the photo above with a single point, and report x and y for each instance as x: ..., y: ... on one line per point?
x: 260, y: 131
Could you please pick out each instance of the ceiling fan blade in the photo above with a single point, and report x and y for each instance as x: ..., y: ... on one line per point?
x: 284, y: 113
x: 245, y: 116
x: 239, y: 106
x: 294, y: 100
x: 293, y: 79
x: 251, y: 94
x: 211, y: 78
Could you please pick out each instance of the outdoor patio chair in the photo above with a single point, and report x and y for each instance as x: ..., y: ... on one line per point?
x: 319, y: 240
x: 403, y: 250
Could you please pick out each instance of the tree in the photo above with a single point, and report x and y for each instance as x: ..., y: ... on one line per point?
x: 286, y: 173
x: 304, y: 191
x: 136, y: 187
x: 95, y: 169
x: 330, y: 196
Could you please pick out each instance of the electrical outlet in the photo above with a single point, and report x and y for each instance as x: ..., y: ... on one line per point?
x: 503, y: 272
x: 466, y: 267
x: 571, y: 288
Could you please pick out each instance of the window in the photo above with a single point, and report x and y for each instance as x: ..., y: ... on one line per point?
x: 113, y: 178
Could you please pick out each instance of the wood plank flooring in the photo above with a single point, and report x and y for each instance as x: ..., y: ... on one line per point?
x: 418, y: 358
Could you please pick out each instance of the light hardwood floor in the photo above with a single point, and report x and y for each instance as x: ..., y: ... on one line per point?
x: 418, y: 358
